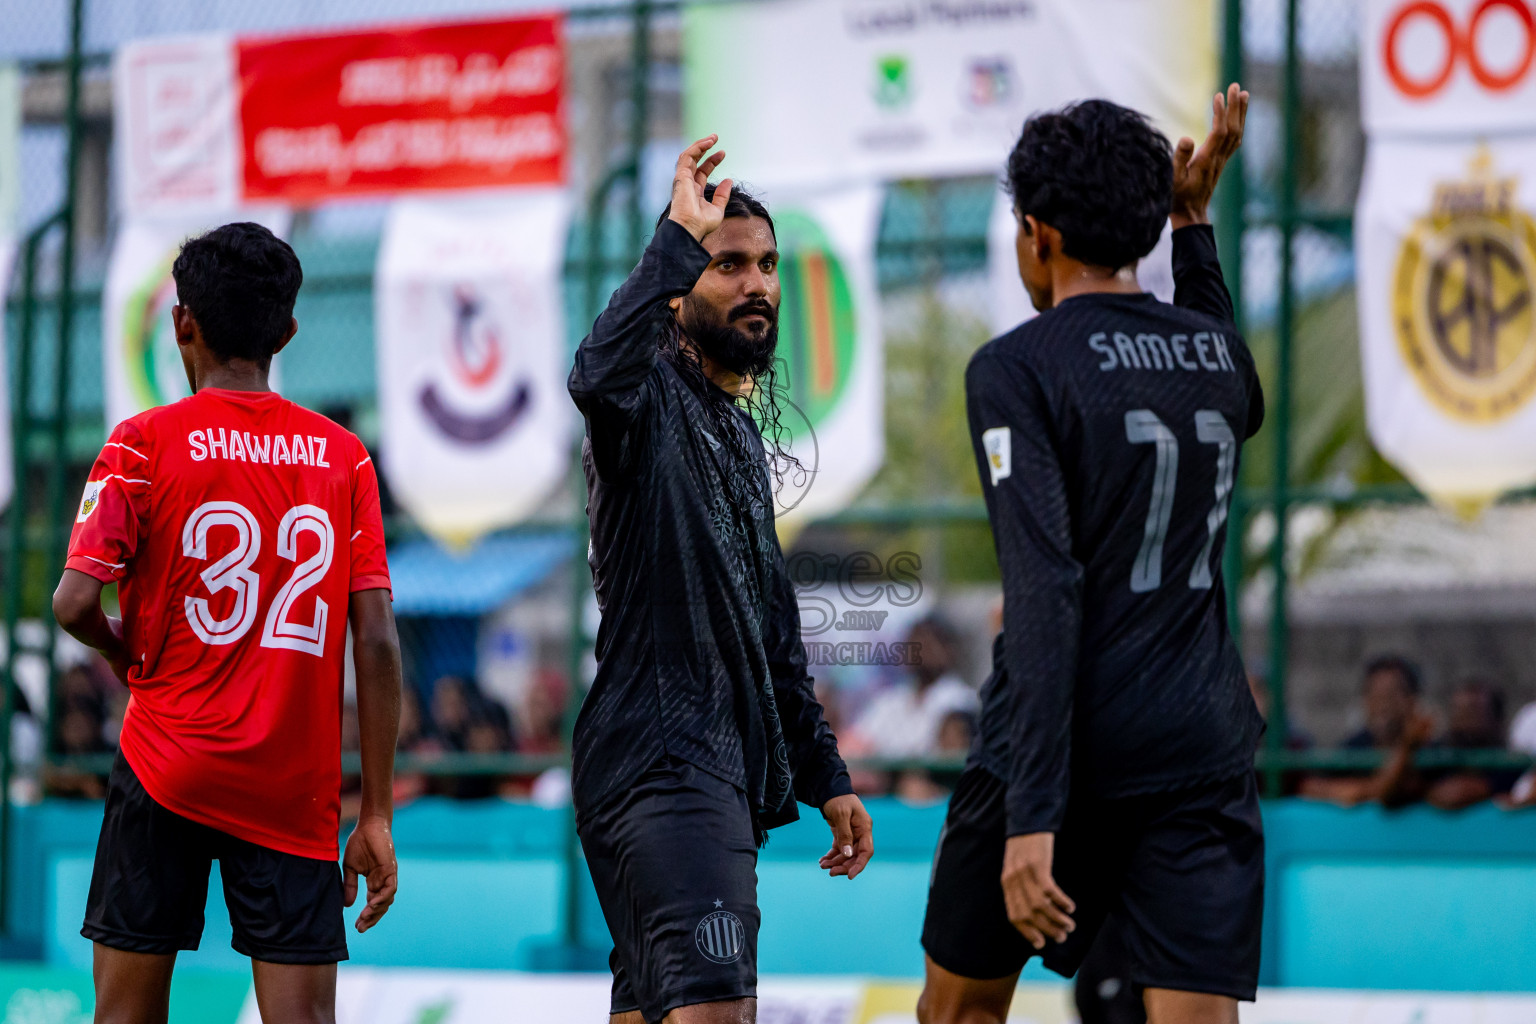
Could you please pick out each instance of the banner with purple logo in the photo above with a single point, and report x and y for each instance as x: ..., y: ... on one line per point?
x: 475, y: 426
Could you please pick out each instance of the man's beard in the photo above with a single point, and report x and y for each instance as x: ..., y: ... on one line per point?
x: 729, y: 347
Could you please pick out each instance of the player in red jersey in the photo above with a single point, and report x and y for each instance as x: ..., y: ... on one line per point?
x: 244, y: 534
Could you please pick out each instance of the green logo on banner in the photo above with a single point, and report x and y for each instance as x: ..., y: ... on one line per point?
x: 893, y: 81
x: 818, y: 326
x: 151, y: 360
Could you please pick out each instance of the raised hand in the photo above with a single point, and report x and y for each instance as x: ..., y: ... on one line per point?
x: 697, y: 215
x: 1195, y: 172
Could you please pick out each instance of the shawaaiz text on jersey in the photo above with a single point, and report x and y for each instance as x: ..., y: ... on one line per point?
x: 1154, y: 352
x: 268, y: 448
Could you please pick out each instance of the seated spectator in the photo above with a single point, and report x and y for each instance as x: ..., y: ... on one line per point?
x: 904, y: 720
x: 1391, y: 700
x: 412, y: 739
x: 956, y: 732
x: 1393, y: 723
x: 78, y: 732
x: 452, y: 711
x: 1476, y: 722
x: 1522, y: 740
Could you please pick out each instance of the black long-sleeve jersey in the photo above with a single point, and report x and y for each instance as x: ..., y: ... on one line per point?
x: 699, y: 653
x: 1108, y: 433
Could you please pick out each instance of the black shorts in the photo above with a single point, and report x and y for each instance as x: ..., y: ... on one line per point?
x: 1182, y: 873
x: 674, y: 862
x: 150, y: 885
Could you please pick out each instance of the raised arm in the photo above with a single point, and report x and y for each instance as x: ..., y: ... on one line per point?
x: 615, y: 360
x: 1197, y: 278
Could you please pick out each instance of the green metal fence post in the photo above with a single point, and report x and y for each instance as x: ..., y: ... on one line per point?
x: 1285, y: 323
x: 640, y: 56
x: 16, y: 542
x: 1231, y: 213
x: 58, y: 533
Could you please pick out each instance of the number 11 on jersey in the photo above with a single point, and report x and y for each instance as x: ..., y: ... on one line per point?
x: 1142, y: 426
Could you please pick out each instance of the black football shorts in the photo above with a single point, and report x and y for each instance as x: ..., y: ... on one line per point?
x: 674, y: 863
x: 150, y: 885
x: 1182, y: 874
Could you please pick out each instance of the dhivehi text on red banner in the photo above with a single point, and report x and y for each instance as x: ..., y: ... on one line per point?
x: 465, y: 105
x: 213, y: 121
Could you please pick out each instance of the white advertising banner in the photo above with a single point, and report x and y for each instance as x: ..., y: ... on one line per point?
x: 10, y: 149
x: 831, y: 344
x: 1445, y: 243
x: 10, y: 201
x: 7, y: 469
x: 476, y: 428
x: 176, y: 109
x: 406, y: 996
x: 142, y: 366
x: 887, y: 89
x: 1446, y: 247
x: 1448, y: 67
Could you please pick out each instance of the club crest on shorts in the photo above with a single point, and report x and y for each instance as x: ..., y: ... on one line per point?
x: 721, y: 937
x: 90, y: 499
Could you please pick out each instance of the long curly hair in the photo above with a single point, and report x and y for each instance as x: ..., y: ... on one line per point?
x: 767, y: 395
x: 765, y: 399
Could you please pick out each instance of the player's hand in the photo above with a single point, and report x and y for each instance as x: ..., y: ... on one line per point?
x: 1036, y: 905
x: 370, y: 853
x: 1195, y: 172
x: 853, y: 836
x: 690, y: 209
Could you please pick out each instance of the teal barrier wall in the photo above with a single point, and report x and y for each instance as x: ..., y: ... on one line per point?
x: 1361, y: 898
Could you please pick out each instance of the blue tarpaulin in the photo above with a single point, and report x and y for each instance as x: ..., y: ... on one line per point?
x: 431, y: 580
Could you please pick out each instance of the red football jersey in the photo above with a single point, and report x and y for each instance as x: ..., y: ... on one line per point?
x: 236, y: 525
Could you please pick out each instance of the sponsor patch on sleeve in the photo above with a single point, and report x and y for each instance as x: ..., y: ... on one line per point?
x: 89, y: 500
x: 998, y: 444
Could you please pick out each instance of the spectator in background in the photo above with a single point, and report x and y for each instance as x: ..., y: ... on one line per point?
x: 1391, y: 701
x: 1393, y: 723
x: 904, y: 720
x: 1522, y: 740
x: 452, y: 712
x: 412, y: 739
x: 1475, y: 722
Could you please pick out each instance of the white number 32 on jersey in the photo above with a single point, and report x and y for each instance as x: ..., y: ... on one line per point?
x: 232, y: 571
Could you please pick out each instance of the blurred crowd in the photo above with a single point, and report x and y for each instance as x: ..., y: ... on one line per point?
x: 911, y: 731
x: 1396, y: 720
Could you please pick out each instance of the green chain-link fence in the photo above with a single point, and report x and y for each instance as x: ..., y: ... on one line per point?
x: 1285, y: 228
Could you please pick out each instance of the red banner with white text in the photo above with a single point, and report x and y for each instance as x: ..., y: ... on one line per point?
x: 302, y: 119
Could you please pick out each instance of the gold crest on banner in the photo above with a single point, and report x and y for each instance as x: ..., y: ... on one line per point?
x: 1464, y: 298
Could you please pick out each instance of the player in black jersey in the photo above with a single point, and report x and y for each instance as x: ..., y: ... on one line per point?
x: 1113, y: 774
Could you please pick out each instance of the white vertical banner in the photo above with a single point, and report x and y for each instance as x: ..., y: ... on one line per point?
x: 141, y: 364
x: 831, y: 344
x: 476, y: 428
x: 1445, y: 243
x: 7, y: 469
x: 1445, y: 237
x: 10, y: 202
x: 175, y: 106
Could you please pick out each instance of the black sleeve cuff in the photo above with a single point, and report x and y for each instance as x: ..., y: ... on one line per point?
x: 673, y: 241
x: 834, y: 783
x: 1192, y: 244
